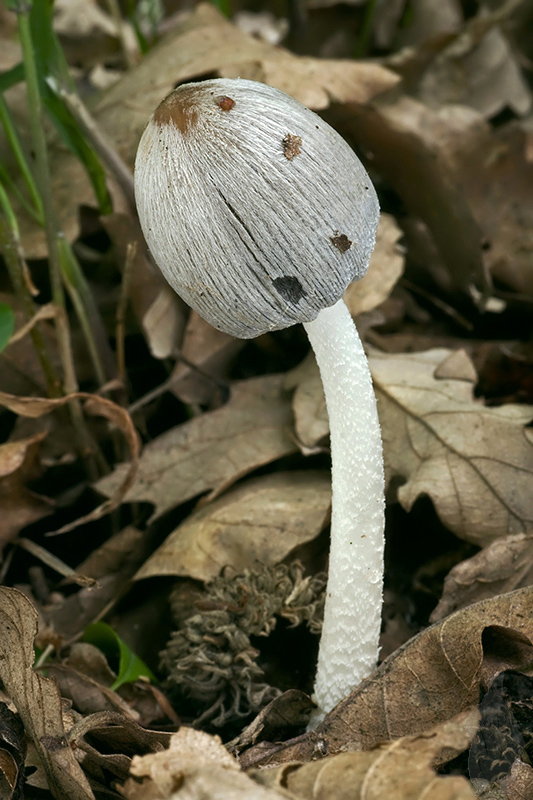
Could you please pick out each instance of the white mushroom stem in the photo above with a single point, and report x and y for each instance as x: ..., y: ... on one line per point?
x: 352, y: 617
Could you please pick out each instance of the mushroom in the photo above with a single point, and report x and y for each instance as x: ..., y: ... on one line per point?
x: 259, y: 215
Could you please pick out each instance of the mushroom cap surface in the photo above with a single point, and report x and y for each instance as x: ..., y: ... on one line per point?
x: 256, y: 211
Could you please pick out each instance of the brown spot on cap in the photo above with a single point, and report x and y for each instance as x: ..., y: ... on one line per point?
x: 178, y: 109
x: 341, y: 242
x: 225, y: 103
x: 291, y: 146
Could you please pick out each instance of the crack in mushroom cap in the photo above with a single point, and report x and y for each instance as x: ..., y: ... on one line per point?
x: 256, y: 211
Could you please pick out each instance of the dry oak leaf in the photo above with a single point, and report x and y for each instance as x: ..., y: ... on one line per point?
x: 196, y: 765
x: 35, y: 407
x: 203, y: 43
x: 263, y: 519
x: 474, y: 462
x: 504, y: 565
x: 401, y: 769
x: 431, y: 678
x: 212, y: 451
x: 37, y: 698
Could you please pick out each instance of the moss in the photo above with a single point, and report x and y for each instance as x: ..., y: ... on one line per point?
x: 210, y: 659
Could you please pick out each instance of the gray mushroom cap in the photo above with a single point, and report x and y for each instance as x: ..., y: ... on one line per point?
x: 256, y: 211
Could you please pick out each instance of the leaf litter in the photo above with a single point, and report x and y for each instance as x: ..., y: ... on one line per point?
x: 234, y: 462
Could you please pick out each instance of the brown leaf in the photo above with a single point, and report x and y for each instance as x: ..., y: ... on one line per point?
x: 12, y: 754
x: 262, y: 520
x: 503, y: 566
x: 401, y: 769
x: 18, y: 505
x: 37, y: 698
x: 384, y: 271
x: 214, y: 450
x: 433, y: 677
x: 196, y: 765
x: 474, y: 462
x: 205, y: 43
x: 212, y: 352
x: 35, y: 407
x: 400, y: 135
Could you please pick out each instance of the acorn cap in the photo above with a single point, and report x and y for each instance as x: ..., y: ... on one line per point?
x: 256, y: 211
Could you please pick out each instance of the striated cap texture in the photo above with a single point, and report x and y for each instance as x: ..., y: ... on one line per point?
x: 256, y: 211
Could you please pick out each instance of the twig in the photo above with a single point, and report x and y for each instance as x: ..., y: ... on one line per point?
x: 131, y: 253
x: 99, y: 141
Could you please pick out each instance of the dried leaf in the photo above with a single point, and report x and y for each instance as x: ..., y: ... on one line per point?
x: 18, y: 505
x: 12, y: 754
x: 440, y: 441
x: 37, y: 698
x: 474, y: 462
x: 433, y: 677
x: 384, y: 271
x: 35, y: 407
x: 401, y: 135
x: 214, y: 450
x: 503, y: 566
x: 196, y: 765
x: 262, y: 520
x: 212, y: 351
x: 402, y: 769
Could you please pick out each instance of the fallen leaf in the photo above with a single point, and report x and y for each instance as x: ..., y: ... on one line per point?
x: 196, y: 765
x: 262, y: 520
x: 37, y: 698
x: 211, y: 352
x: 402, y: 769
x: 12, y: 754
x: 430, y: 679
x: 35, y: 407
x: 18, y: 505
x: 384, y: 271
x: 311, y: 421
x: 214, y: 450
x: 504, y: 565
x: 400, y: 136
x: 474, y: 462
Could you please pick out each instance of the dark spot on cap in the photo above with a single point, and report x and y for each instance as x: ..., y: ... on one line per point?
x: 178, y: 109
x: 225, y: 103
x: 291, y: 146
x: 341, y: 242
x: 289, y: 288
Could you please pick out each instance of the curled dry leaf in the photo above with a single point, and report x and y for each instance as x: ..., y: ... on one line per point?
x: 503, y: 566
x: 196, y: 765
x: 205, y: 43
x: 474, y: 462
x: 262, y: 520
x: 12, y: 754
x: 18, y: 505
x: 430, y: 679
x: 35, y: 407
x: 214, y: 450
x: 401, y: 769
x: 37, y: 698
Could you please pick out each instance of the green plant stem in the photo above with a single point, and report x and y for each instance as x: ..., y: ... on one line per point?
x: 82, y: 300
x: 11, y: 248
x: 13, y: 139
x: 361, y: 47
x: 86, y: 445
